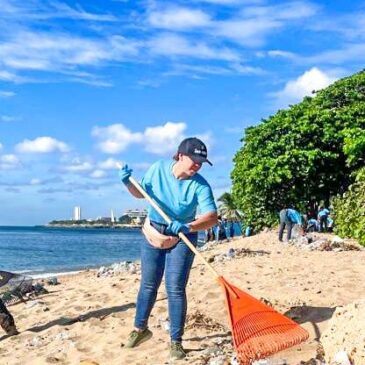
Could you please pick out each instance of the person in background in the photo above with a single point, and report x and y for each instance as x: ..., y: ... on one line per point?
x: 7, y: 321
x: 323, y: 219
x: 312, y: 225
x: 179, y: 190
x: 288, y: 218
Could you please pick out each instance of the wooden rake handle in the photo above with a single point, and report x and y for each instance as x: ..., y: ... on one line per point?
x: 168, y: 221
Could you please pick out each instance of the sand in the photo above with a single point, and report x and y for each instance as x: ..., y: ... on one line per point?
x: 87, y: 317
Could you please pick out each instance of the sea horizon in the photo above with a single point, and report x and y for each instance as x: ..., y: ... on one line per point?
x: 47, y: 251
x: 42, y: 251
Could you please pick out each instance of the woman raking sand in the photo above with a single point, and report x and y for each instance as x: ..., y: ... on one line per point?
x: 179, y: 190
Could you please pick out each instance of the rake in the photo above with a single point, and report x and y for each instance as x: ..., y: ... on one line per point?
x: 258, y: 330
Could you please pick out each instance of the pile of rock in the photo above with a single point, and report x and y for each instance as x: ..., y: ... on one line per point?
x: 119, y: 268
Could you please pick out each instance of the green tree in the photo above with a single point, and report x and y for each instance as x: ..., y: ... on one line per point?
x: 302, y: 155
x: 227, y: 207
x: 349, y: 210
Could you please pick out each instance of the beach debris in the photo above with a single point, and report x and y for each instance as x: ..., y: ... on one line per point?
x: 164, y: 323
x: 52, y: 281
x: 62, y: 336
x: 19, y: 290
x: 237, y: 253
x: 118, y: 268
x: 200, y: 320
x: 219, y: 360
x: 270, y: 362
x: 312, y: 242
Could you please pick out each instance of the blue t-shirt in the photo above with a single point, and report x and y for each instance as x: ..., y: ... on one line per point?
x: 179, y: 199
x: 294, y: 216
x: 323, y: 212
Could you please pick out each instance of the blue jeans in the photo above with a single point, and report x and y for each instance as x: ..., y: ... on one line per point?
x: 176, y: 262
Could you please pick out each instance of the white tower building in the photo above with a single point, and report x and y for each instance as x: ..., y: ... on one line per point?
x: 77, y: 213
x: 112, y: 217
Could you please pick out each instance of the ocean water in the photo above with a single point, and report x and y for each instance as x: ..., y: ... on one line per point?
x: 42, y: 250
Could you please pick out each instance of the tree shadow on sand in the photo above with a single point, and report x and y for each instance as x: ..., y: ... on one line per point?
x: 314, y: 315
x: 100, y: 314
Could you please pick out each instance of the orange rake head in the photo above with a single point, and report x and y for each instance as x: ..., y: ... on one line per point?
x: 258, y: 330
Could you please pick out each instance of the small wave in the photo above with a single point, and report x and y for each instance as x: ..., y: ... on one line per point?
x: 51, y: 274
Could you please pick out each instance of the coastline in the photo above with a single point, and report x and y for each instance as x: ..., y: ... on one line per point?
x: 89, y: 309
x: 89, y: 226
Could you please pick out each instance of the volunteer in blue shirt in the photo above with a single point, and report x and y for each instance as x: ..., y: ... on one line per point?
x: 288, y: 217
x: 323, y: 219
x: 179, y: 190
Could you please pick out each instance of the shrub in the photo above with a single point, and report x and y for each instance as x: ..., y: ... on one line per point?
x: 349, y: 210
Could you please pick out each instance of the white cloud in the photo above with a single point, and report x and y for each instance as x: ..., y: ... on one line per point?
x: 194, y: 71
x: 295, y: 90
x: 10, y: 76
x: 172, y: 45
x: 164, y: 139
x: 249, y: 32
x: 42, y: 145
x: 178, y: 18
x: 63, y: 53
x: 37, y: 10
x: 97, y: 174
x: 159, y: 140
x: 350, y: 53
x: 35, y: 181
x: 233, y: 2
x: 9, y: 162
x: 279, y: 53
x: 78, y: 166
x: 6, y: 94
x: 285, y: 11
x: 1, y: 146
x: 109, y: 164
x: 115, y: 138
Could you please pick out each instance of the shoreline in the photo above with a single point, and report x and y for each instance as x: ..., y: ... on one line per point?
x: 87, y: 308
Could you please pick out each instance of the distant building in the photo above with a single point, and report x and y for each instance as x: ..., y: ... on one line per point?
x: 77, y: 213
x: 112, y: 217
x: 137, y: 215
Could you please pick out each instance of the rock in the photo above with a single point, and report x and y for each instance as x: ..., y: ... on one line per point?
x: 53, y: 281
x: 341, y: 358
x: 219, y: 360
x: 231, y: 253
x: 62, y: 336
x: 346, y: 333
x: 337, y: 240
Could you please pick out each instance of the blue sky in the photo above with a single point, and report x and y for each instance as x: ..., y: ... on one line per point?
x: 85, y: 84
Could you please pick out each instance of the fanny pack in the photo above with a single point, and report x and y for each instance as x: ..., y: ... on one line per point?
x: 157, y: 239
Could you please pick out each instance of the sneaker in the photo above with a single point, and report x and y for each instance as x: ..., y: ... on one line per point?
x: 135, y: 338
x: 176, y: 351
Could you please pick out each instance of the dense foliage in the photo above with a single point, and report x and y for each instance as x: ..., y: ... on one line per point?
x: 303, y: 155
x: 349, y: 210
x: 227, y: 207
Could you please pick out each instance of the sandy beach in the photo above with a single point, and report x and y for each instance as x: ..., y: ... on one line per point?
x: 87, y: 317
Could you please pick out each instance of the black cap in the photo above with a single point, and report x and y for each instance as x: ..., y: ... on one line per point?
x: 195, y: 149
